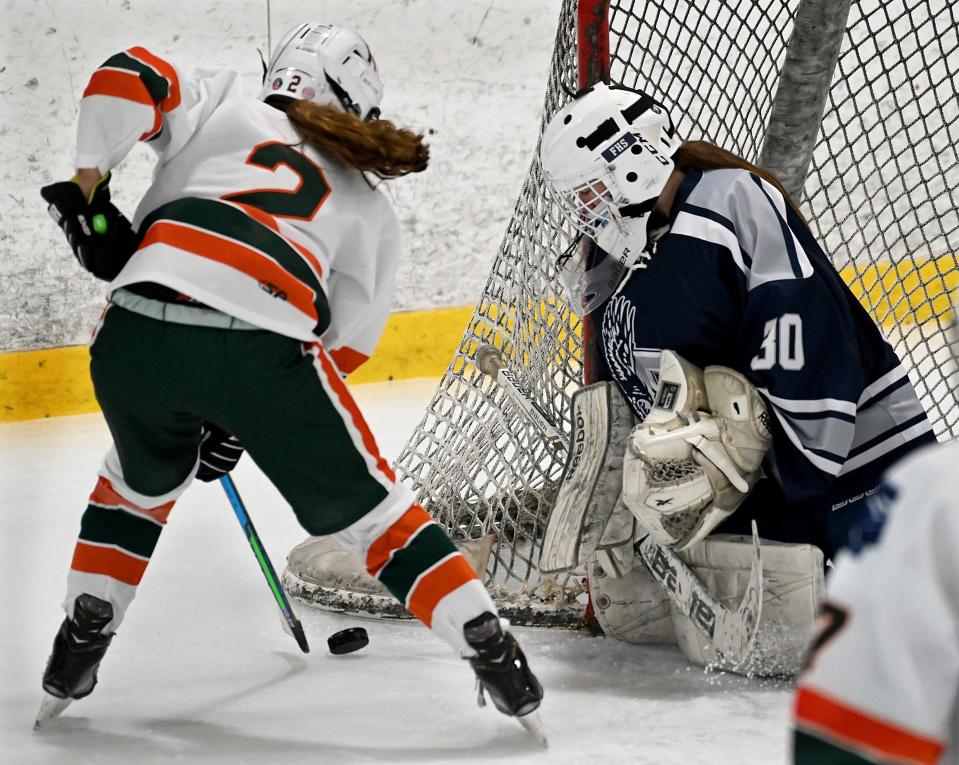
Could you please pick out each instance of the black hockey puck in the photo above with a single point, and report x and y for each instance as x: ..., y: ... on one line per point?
x: 347, y: 641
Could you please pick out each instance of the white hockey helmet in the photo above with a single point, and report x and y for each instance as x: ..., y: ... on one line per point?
x: 325, y: 64
x: 606, y: 157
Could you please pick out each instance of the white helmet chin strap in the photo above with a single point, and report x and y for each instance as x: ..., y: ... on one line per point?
x: 628, y: 237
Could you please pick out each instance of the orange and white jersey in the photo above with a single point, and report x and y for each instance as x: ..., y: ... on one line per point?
x: 883, y: 675
x: 241, y: 214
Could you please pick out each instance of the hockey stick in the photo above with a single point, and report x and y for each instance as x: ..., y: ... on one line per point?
x: 731, y: 633
x: 296, y: 629
x: 490, y: 362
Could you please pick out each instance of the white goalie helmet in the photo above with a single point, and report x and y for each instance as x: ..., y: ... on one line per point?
x: 325, y: 64
x: 606, y: 157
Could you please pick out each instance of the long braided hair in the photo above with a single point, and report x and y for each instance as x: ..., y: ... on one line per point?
x: 707, y: 156
x: 375, y: 146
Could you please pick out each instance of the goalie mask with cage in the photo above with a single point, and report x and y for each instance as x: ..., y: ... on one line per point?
x: 327, y: 65
x: 606, y: 157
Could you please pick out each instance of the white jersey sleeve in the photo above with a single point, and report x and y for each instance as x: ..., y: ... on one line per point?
x: 361, y: 295
x: 882, y: 678
x: 138, y: 96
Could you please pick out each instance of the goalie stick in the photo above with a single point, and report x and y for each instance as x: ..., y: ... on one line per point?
x: 490, y: 362
x: 289, y: 618
x: 731, y: 633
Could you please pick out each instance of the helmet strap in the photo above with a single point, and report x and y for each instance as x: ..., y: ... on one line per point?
x: 265, y: 67
x: 639, y: 209
x: 343, y: 97
x: 657, y: 227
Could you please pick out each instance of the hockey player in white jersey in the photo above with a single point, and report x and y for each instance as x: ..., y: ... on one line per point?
x: 760, y: 388
x: 882, y: 676
x: 258, y: 269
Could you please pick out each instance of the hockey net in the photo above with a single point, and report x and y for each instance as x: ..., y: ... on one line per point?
x: 881, y: 195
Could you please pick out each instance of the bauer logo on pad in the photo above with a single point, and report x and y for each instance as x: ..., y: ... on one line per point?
x: 622, y: 143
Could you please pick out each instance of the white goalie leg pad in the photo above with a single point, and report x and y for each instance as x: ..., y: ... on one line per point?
x: 793, y: 588
x: 629, y: 605
x: 615, y: 552
x: 592, y: 480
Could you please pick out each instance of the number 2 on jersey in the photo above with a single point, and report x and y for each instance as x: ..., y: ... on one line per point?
x: 301, y: 203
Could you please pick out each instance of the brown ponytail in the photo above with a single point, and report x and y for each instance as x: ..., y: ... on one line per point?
x: 707, y: 156
x: 377, y: 146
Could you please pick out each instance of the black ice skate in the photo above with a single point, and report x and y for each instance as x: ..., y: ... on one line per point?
x: 502, y: 672
x: 78, y: 648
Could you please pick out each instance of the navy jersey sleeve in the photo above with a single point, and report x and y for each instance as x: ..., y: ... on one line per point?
x: 798, y: 342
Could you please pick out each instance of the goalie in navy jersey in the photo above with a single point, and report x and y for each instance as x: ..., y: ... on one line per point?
x: 760, y: 387
x: 258, y: 270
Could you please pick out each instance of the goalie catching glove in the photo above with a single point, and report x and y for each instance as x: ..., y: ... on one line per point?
x: 698, y: 453
x: 100, y: 236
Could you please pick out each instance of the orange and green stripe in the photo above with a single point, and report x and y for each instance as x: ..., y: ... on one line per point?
x: 110, y: 562
x: 416, y: 561
x: 117, y: 537
x: 838, y: 723
x: 130, y: 533
x: 225, y: 233
x: 139, y: 76
x: 105, y: 496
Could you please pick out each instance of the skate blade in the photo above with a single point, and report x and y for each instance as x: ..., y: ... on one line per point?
x: 534, y: 725
x: 50, y: 707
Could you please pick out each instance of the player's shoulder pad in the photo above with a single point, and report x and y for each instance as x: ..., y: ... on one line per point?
x: 756, y: 213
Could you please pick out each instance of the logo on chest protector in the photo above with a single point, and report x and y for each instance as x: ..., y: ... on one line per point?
x: 273, y: 290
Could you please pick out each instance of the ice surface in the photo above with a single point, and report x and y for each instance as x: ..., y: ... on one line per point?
x: 202, y: 672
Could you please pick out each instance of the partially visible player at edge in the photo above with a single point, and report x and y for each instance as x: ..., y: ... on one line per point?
x: 881, y: 681
x: 258, y: 270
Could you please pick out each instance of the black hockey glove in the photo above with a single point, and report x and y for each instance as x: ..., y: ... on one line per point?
x: 100, y: 236
x: 219, y: 453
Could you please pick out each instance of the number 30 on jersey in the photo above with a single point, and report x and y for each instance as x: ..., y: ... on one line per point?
x: 782, y: 344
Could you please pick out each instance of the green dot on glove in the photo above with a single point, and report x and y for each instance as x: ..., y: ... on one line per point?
x: 99, y: 223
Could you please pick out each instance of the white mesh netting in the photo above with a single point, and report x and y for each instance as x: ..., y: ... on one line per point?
x: 881, y: 195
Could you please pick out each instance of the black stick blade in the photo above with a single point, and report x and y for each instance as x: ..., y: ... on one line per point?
x: 299, y: 635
